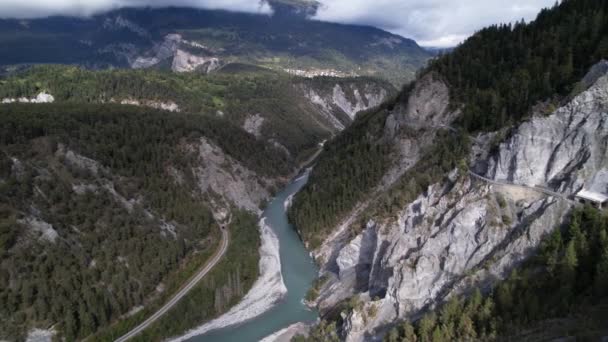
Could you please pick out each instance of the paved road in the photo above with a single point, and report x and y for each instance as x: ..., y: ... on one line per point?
x: 533, y: 188
x: 187, y: 288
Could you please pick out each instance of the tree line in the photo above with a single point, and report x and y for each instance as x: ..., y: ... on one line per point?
x: 500, y: 73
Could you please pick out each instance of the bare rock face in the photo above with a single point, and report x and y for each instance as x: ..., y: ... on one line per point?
x: 186, y: 62
x: 464, y: 233
x: 427, y: 107
x: 565, y: 151
x: 160, y: 52
x: 46, y: 231
x: 172, y: 48
x: 357, y: 257
x: 42, y: 97
x: 428, y: 102
x: 453, y: 237
x: 221, y: 175
x: 596, y: 71
x: 369, y: 99
x: 341, y: 105
x: 352, y: 264
x: 253, y: 125
x: 168, y: 106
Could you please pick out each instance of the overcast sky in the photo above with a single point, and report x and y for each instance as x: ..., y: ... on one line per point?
x: 438, y: 23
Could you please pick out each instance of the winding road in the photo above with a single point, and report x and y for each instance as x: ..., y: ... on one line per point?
x: 533, y: 188
x: 184, y: 291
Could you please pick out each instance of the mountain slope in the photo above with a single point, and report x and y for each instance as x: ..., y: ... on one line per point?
x: 398, y: 235
x: 291, y: 113
x: 501, y: 72
x: 565, y: 281
x: 107, y: 209
x: 188, y: 39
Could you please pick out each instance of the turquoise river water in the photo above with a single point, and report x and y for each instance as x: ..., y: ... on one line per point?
x: 298, y: 270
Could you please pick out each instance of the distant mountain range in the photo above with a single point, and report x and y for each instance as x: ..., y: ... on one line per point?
x: 186, y: 39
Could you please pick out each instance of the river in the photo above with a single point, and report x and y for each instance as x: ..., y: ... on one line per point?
x: 298, y: 271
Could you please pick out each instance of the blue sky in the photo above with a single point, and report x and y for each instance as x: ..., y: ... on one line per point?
x: 438, y: 23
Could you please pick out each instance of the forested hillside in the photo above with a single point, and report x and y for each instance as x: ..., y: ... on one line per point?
x: 496, y: 78
x: 348, y: 167
x: 501, y: 72
x: 271, y: 105
x: 236, y: 96
x: 102, y: 213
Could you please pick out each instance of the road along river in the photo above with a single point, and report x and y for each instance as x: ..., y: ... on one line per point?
x: 298, y: 270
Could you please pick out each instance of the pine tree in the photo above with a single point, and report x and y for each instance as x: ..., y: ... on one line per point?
x: 601, y: 271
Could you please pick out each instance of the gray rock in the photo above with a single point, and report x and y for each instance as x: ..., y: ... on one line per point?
x: 598, y: 70
x: 253, y: 125
x: 344, y: 101
x: 428, y: 103
x: 565, y: 151
x: 465, y: 233
x: 219, y: 174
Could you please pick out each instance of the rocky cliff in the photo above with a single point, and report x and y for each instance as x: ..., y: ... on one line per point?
x: 565, y: 151
x: 465, y: 232
x: 339, y: 100
x: 177, y: 51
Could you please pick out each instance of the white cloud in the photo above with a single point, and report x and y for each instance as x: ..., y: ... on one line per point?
x: 43, y: 8
x: 431, y: 22
x: 438, y: 23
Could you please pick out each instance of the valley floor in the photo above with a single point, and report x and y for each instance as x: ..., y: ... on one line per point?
x: 268, y: 289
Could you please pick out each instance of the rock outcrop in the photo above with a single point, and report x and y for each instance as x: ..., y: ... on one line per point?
x: 184, y: 61
x: 168, y: 106
x: 427, y: 107
x: 177, y: 50
x: 42, y: 97
x: 160, y: 52
x: 566, y: 151
x: 253, y: 125
x: 219, y: 174
x: 341, y: 103
x: 466, y: 232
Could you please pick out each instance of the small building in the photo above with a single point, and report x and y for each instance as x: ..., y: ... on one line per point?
x: 594, y: 198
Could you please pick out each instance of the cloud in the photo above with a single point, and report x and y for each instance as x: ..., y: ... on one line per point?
x: 439, y: 23
x: 43, y: 8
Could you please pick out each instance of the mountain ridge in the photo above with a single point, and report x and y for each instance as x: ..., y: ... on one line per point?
x: 118, y: 38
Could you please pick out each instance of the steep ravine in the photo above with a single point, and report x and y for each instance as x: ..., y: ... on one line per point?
x: 463, y: 232
x: 276, y: 300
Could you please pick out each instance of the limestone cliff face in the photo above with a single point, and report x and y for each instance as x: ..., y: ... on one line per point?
x: 409, y: 136
x: 341, y: 102
x: 184, y: 61
x: 465, y: 232
x: 565, y: 151
x: 226, y: 181
x: 428, y: 103
x: 177, y: 50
